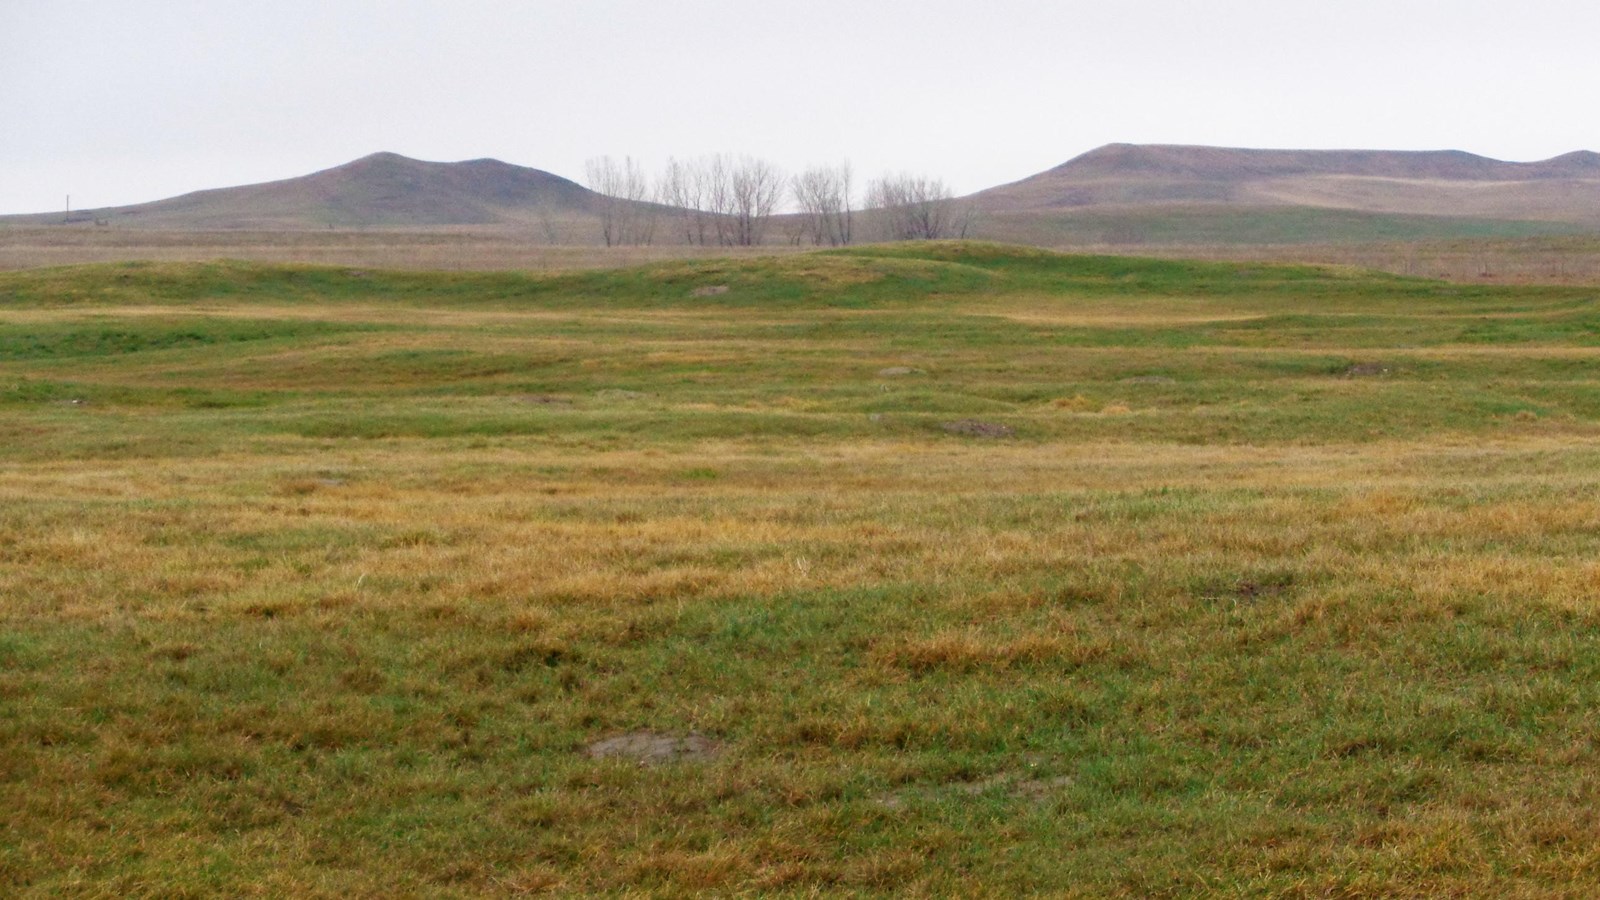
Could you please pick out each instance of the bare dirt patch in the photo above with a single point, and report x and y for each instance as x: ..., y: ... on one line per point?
x: 710, y: 290
x: 1368, y: 370
x: 652, y: 748
x: 1027, y: 789
x: 978, y: 428
x: 1261, y: 590
x: 545, y: 400
x: 898, y: 372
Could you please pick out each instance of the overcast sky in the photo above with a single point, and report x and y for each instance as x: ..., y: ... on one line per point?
x: 122, y: 101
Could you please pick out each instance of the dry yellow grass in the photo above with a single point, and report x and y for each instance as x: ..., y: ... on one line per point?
x: 626, y: 529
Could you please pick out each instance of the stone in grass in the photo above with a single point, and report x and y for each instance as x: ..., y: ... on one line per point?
x: 979, y: 428
x: 652, y: 748
x: 898, y: 371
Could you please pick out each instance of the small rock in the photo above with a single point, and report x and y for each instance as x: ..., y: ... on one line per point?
x: 897, y: 371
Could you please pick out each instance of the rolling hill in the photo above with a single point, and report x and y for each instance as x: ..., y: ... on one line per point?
x: 1118, y: 194
x: 377, y: 191
x: 1408, y: 183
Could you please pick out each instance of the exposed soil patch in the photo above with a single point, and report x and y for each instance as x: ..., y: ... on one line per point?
x: 651, y: 748
x: 710, y: 290
x: 1031, y: 790
x: 1368, y: 370
x: 1262, y: 589
x: 1250, y: 590
x: 300, y: 487
x: 545, y: 400
x: 619, y: 394
x: 979, y: 428
x: 1038, y: 790
x: 898, y: 371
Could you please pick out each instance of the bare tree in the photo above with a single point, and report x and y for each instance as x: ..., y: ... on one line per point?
x: 627, y: 215
x: 916, y: 207
x: 547, y: 222
x: 685, y: 188
x: 729, y: 199
x: 605, y: 178
x: 719, y: 195
x: 756, y: 188
x: 743, y: 195
x: 823, y: 196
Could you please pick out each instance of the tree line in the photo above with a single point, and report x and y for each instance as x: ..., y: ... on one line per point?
x: 736, y: 201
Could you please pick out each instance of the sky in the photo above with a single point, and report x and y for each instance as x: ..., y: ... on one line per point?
x: 123, y: 101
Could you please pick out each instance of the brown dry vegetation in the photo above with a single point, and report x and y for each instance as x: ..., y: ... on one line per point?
x: 465, y: 248
x: 1549, y: 260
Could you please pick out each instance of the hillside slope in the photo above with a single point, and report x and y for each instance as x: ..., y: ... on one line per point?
x: 381, y: 190
x: 1430, y: 183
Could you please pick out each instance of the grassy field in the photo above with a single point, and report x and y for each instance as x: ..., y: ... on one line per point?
x: 1569, y: 259
x: 936, y: 569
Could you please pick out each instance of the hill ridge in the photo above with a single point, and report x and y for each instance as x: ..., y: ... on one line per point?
x: 386, y: 189
x: 1196, y: 158
x: 383, y: 189
x: 1564, y: 188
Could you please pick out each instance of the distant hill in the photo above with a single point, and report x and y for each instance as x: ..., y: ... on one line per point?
x: 384, y: 190
x: 1118, y: 194
x: 1446, y: 183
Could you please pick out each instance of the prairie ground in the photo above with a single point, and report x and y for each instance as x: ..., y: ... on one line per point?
x: 942, y: 569
x: 1466, y: 256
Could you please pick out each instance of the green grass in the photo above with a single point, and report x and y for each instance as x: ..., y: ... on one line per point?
x: 77, y: 340
x: 318, y: 582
